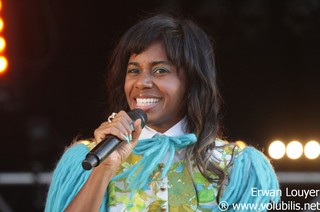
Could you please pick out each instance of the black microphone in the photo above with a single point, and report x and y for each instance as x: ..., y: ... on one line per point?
x: 108, y: 145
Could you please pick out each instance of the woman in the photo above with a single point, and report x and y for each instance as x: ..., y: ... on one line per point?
x: 166, y: 67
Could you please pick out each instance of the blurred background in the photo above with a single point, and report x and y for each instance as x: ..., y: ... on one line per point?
x: 53, y: 58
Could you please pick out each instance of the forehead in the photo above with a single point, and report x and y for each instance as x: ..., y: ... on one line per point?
x: 154, y: 52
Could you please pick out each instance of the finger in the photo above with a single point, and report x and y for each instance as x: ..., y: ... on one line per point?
x: 100, y: 133
x: 116, y: 129
x: 122, y: 115
x: 137, y: 129
x: 122, y: 122
x: 111, y: 131
x: 125, y: 120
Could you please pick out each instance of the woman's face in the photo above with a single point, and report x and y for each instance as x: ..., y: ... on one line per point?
x: 154, y: 85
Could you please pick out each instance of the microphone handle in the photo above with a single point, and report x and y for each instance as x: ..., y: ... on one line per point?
x: 93, y: 159
x: 108, y: 145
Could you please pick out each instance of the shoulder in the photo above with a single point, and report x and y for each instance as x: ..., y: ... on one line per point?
x: 74, y: 154
x: 226, y: 153
x: 250, y: 168
x: 89, y: 144
x: 230, y: 157
x: 223, y: 153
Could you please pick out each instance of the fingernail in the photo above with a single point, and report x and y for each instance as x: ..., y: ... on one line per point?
x: 125, y: 138
x: 130, y: 137
x: 132, y: 127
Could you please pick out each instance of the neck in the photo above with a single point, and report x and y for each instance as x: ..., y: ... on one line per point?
x: 175, y: 129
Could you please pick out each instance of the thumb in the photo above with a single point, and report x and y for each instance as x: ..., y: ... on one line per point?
x: 137, y: 130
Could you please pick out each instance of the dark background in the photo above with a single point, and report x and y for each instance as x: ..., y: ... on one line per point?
x: 268, y: 66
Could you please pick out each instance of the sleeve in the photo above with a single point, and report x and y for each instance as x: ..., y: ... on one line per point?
x: 68, y: 178
x: 251, y: 173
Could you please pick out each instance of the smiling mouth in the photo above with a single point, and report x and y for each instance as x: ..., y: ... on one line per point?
x: 146, y: 101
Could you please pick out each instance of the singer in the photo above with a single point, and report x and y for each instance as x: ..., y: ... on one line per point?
x: 165, y: 66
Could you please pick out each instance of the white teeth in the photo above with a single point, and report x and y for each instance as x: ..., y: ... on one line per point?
x: 146, y: 101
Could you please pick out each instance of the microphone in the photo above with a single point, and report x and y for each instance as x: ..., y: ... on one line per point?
x: 100, y: 152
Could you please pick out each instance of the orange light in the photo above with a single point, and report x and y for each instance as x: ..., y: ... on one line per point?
x: 3, y: 64
x: 2, y: 44
x: 1, y: 24
x: 0, y: 5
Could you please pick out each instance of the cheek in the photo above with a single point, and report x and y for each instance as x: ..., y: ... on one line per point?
x: 177, y: 92
x: 127, y: 87
x: 182, y: 86
x: 181, y: 94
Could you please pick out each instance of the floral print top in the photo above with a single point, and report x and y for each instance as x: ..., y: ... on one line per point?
x: 176, y: 191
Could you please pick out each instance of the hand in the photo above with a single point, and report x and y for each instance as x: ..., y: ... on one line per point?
x: 119, y: 127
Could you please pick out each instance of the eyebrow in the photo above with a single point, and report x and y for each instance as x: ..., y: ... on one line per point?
x: 153, y: 63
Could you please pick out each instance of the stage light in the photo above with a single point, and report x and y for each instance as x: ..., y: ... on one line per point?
x: 3, y: 59
x: 2, y: 44
x: 277, y: 149
x: 312, y: 150
x: 294, y: 150
x: 1, y: 24
x: 3, y: 64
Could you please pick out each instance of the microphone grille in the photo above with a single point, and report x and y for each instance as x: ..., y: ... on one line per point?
x: 138, y: 114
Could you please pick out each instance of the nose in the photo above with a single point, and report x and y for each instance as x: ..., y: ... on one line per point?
x: 144, y: 80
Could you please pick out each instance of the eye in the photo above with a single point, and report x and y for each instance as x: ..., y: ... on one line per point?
x: 133, y: 71
x: 160, y: 71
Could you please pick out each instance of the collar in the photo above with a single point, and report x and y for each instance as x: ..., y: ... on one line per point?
x: 177, y: 130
